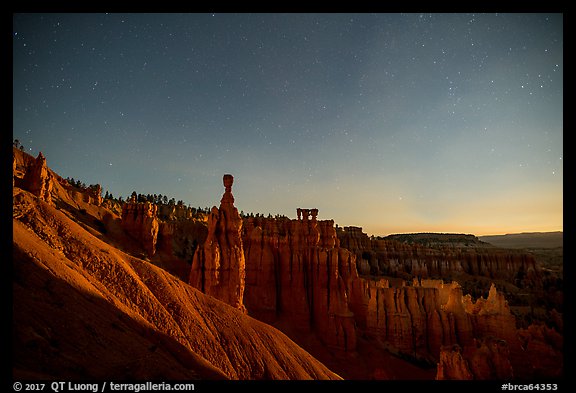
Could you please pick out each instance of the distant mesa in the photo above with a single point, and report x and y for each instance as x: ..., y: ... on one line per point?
x: 526, y: 240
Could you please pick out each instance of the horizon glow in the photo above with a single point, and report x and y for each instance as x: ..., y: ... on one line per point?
x: 397, y: 123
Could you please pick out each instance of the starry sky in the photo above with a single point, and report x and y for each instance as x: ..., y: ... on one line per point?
x: 392, y: 122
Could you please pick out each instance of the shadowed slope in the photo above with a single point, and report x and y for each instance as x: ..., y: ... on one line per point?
x: 85, y: 309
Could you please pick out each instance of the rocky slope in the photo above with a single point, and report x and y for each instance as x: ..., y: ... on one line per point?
x: 166, y: 235
x: 85, y: 309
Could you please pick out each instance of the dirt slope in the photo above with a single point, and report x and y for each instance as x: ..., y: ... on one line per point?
x: 82, y: 308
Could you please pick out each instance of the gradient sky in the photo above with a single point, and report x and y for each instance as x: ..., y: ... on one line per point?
x: 392, y: 122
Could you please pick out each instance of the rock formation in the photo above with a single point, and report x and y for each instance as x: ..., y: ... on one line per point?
x: 419, y: 320
x: 38, y: 180
x: 302, y: 276
x: 296, y: 272
x: 84, y: 310
x: 396, y: 259
x: 13, y: 169
x: 96, y: 194
x: 284, y: 261
x: 218, y: 268
x: 545, y: 349
x: 140, y: 221
x: 488, y: 359
x: 181, y: 238
x: 452, y: 365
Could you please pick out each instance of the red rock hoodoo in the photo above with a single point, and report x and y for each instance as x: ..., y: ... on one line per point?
x: 218, y: 267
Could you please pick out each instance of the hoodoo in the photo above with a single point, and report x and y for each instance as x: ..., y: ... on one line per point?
x: 219, y: 268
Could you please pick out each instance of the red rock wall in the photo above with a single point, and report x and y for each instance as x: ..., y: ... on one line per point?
x: 296, y: 272
x: 412, y: 320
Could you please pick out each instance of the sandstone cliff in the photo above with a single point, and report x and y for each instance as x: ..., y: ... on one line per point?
x: 397, y: 259
x: 218, y: 268
x: 284, y: 261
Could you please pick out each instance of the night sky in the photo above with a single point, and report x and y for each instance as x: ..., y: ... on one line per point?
x: 393, y: 122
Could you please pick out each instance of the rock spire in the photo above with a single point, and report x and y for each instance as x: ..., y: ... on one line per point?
x: 219, y: 267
